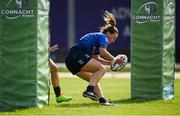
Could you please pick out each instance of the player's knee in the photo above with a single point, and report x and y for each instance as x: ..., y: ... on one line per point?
x: 103, y: 69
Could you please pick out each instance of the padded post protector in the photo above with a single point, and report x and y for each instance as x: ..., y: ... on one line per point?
x: 152, y: 49
x: 24, y: 38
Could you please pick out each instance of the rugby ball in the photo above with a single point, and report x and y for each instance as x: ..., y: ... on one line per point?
x: 118, y: 67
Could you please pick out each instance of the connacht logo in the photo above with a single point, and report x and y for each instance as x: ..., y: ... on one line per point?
x: 146, y: 13
x: 17, y: 3
x: 170, y: 11
x: 21, y: 3
x: 17, y: 8
x: 149, y: 8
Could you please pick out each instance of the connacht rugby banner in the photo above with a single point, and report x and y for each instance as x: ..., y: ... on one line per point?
x: 24, y: 38
x: 152, y: 49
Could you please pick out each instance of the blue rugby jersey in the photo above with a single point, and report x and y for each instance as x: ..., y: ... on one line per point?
x: 91, y: 42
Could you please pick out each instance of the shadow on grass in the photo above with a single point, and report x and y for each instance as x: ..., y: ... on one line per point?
x: 77, y: 105
x: 132, y: 100
x: 8, y: 109
x: 116, y: 102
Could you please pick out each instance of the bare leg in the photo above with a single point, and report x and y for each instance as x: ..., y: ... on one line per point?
x: 97, y: 70
x: 92, y: 72
x: 54, y: 74
x: 55, y: 83
x: 86, y: 76
x: 98, y: 91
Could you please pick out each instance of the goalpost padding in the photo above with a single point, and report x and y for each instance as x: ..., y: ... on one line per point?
x: 24, y: 38
x: 152, y: 49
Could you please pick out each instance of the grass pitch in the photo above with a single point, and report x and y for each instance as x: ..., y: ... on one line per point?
x: 118, y: 90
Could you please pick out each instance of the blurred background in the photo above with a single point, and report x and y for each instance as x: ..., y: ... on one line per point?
x: 71, y: 19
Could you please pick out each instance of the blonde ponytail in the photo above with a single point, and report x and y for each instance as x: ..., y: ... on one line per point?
x: 109, y: 18
x: 110, y: 25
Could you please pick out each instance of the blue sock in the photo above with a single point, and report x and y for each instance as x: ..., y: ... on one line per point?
x: 102, y: 100
x: 90, y: 88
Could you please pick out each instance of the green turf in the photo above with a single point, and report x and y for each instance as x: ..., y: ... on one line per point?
x: 118, y: 90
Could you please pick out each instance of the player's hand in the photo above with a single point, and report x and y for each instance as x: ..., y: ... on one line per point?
x: 53, y: 48
x: 119, y: 61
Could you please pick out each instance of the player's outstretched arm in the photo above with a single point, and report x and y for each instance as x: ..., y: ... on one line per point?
x: 53, y: 48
